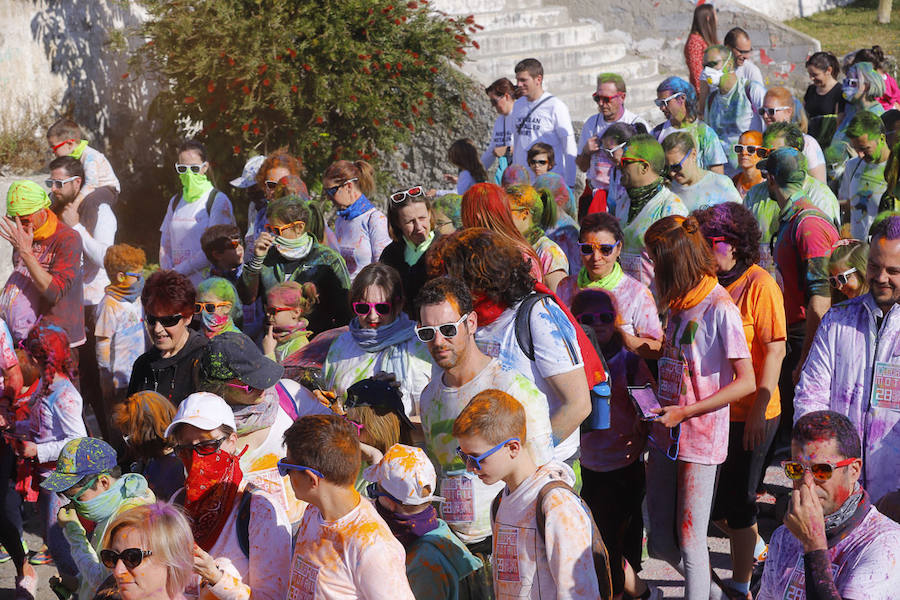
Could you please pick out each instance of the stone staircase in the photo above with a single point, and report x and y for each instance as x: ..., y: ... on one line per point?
x: 572, y: 52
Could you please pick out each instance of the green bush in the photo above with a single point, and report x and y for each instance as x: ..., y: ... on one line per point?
x: 329, y: 79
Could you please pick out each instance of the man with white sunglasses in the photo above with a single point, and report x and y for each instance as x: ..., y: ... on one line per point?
x: 447, y: 324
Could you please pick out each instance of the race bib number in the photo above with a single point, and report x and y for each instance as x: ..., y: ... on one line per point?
x: 796, y: 587
x: 270, y: 481
x: 459, y: 500
x: 671, y: 380
x: 506, y: 554
x: 886, y: 386
x: 304, y: 579
x: 631, y: 264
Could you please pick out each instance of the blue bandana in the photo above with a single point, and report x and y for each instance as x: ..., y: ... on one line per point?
x: 362, y: 205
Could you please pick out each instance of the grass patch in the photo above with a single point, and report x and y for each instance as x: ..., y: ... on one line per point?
x: 23, y: 147
x: 848, y: 28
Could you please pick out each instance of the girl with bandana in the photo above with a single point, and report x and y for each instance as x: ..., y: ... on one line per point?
x: 288, y: 302
x: 217, y: 305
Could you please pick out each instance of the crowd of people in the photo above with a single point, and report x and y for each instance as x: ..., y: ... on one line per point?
x: 480, y: 392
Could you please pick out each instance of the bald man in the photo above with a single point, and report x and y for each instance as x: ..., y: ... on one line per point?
x: 778, y: 107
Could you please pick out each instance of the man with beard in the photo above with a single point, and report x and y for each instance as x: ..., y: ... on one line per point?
x: 853, y: 366
x: 93, y: 218
x: 447, y: 324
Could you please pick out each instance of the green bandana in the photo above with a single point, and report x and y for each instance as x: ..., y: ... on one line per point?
x: 194, y: 186
x: 412, y: 253
x: 640, y: 196
x: 607, y: 282
x: 533, y: 234
x: 79, y: 150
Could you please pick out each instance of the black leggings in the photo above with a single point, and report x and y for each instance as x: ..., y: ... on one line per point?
x: 11, y: 517
x: 615, y: 499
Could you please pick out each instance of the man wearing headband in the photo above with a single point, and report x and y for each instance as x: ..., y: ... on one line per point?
x: 834, y: 544
x: 46, y: 281
x: 854, y: 369
x: 801, y: 248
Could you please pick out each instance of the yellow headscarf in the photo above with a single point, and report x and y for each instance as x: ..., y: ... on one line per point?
x: 25, y: 198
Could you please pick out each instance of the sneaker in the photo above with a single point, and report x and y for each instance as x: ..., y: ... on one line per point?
x: 26, y: 587
x: 4, y: 555
x: 761, y: 557
x: 41, y: 557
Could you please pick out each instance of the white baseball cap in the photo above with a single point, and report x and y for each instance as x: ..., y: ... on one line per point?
x: 248, y: 177
x: 406, y: 474
x: 204, y: 411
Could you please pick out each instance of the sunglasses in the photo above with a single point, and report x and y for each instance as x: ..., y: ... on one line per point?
x: 365, y: 308
x: 279, y: 229
x: 209, y: 307
x: 612, y: 151
x: 413, y: 192
x: 231, y: 243
x: 587, y: 248
x: 538, y: 162
x: 333, y: 189
x: 848, y: 81
x: 715, y: 239
x: 373, y: 491
x: 448, y: 330
x: 712, y: 64
x: 84, y: 488
x: 770, y: 112
x: 743, y: 52
x: 204, y: 448
x: 671, y: 449
x: 274, y: 310
x: 760, y: 151
x: 182, y: 169
x: 467, y: 458
x: 664, y: 102
x: 58, y: 183
x: 284, y: 468
x: 130, y: 557
x: 820, y: 471
x: 591, y: 318
x: 677, y: 167
x: 600, y: 99
x: 167, y: 321
x: 270, y: 184
x: 241, y: 386
x: 359, y: 426
x: 841, y: 279
x: 61, y: 144
x: 633, y: 159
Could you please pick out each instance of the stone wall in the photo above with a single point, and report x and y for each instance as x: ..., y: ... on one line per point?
x: 658, y: 29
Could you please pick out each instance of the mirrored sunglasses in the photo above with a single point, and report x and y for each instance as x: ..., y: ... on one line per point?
x: 795, y: 470
x: 280, y: 229
x: 476, y: 460
x: 587, y: 248
x: 209, y: 307
x: 413, y: 192
x: 600, y: 99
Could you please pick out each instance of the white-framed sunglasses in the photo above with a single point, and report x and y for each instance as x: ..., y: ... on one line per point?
x: 427, y: 333
x: 664, y: 102
x: 841, y: 279
x: 58, y: 183
x: 612, y: 151
x: 413, y: 192
x: 181, y: 169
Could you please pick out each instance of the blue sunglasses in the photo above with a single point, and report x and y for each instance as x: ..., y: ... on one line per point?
x: 284, y: 467
x: 477, y: 459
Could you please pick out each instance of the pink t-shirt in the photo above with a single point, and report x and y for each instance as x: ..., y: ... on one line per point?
x: 864, y: 564
x: 354, y: 557
x: 700, y: 343
x: 636, y: 310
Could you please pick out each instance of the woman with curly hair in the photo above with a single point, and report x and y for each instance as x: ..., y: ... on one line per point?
x: 495, y: 272
x: 733, y: 234
x: 55, y: 409
x: 704, y: 366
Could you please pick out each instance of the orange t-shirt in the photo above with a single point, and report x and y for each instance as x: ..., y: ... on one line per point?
x: 761, y: 303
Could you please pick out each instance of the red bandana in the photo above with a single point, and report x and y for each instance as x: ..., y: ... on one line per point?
x: 210, y: 489
x: 487, y: 310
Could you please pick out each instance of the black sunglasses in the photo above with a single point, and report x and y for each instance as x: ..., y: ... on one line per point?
x: 131, y: 557
x: 364, y: 308
x: 591, y: 318
x: 167, y: 321
x: 533, y: 161
x: 204, y: 448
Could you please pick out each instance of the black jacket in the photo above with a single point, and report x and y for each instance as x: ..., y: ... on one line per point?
x: 413, y: 277
x: 172, y: 377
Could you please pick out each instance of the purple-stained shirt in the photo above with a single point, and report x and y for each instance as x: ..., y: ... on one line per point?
x: 853, y: 368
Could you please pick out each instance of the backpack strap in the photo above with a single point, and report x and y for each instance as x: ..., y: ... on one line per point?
x: 533, y: 108
x: 209, y: 201
x: 495, y: 506
x: 523, y: 324
x: 242, y: 523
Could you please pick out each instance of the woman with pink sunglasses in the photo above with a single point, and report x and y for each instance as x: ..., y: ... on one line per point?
x: 381, y: 339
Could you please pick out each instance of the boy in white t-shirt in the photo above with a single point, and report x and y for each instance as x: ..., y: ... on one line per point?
x: 343, y: 549
x: 527, y: 563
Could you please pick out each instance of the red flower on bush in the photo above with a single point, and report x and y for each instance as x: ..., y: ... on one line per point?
x: 464, y: 105
x: 256, y: 131
x: 245, y: 127
x: 376, y: 122
x: 237, y: 149
x: 353, y: 98
x: 398, y: 124
x: 474, y: 43
x: 262, y: 69
x: 210, y: 87
x: 292, y: 52
x: 433, y: 69
x: 320, y: 120
x: 404, y: 165
x: 430, y: 121
x: 399, y: 66
x: 294, y: 88
x: 125, y: 75
x: 245, y: 89
x: 307, y: 67
x: 412, y: 5
x: 387, y: 8
x: 189, y: 100
x: 429, y: 95
x: 266, y: 82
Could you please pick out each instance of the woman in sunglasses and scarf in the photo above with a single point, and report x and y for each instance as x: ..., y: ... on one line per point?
x: 411, y: 223
x: 197, y: 206
x: 382, y: 338
x: 289, y: 250
x: 361, y: 229
x: 242, y: 536
x: 637, y: 316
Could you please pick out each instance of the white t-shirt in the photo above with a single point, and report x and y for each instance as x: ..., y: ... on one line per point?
x: 563, y: 565
x: 862, y: 184
x: 749, y: 70
x: 94, y: 247
x: 122, y: 323
x: 502, y: 135
x: 813, y: 152
x: 556, y: 352
x: 265, y: 573
x: 179, y: 245
x: 362, y: 239
x: 468, y: 499
x: 355, y: 557
x: 549, y: 123
x: 864, y: 563
x: 713, y: 188
x: 595, y: 126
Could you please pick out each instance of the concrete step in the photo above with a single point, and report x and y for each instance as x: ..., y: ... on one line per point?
x: 527, y: 18
x: 641, y: 93
x: 476, y: 7
x: 585, y: 78
x: 506, y: 41
x: 597, y: 56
